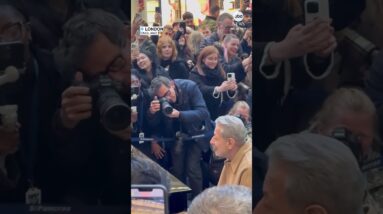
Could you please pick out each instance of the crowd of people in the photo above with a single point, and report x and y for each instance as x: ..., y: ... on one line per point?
x: 315, y: 91
x: 90, y: 85
x: 191, y: 93
x: 84, y: 87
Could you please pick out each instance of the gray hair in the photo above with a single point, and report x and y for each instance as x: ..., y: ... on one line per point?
x: 320, y: 170
x: 229, y: 37
x: 223, y: 199
x: 232, y: 127
x: 224, y: 16
x: 157, y: 82
x: 79, y: 33
x: 194, y: 41
x: 342, y: 101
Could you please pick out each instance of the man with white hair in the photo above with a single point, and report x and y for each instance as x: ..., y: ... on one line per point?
x: 229, y: 141
x: 310, y: 173
x: 222, y: 199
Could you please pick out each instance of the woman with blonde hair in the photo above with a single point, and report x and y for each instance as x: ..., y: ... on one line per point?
x: 217, y: 91
x: 193, y: 44
x: 167, y: 53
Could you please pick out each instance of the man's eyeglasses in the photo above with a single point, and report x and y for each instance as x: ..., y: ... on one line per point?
x: 167, y: 94
x: 11, y: 32
x: 117, y: 64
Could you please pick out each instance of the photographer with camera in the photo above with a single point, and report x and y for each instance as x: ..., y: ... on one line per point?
x: 92, y: 122
x: 28, y: 81
x: 181, y: 109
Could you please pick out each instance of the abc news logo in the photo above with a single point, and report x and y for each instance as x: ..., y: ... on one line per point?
x: 238, y: 19
x: 238, y: 16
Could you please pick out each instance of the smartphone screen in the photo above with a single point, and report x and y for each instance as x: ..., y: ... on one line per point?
x: 148, y: 199
x: 12, y: 54
x: 316, y: 9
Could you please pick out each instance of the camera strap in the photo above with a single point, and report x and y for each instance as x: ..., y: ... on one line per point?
x: 141, y: 115
x: 33, y: 194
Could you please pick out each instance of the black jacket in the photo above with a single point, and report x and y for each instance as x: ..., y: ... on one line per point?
x: 176, y: 69
x: 93, y: 165
x: 193, y: 113
x: 207, y: 84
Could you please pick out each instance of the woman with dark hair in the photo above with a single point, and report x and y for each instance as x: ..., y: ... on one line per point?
x: 217, y: 91
x: 147, y: 68
x: 167, y: 53
x: 230, y: 60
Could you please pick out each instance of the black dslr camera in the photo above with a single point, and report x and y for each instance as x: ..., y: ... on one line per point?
x: 350, y: 140
x: 165, y: 106
x: 114, y: 112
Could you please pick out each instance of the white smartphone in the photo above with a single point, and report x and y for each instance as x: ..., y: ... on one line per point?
x: 316, y: 9
x: 230, y: 76
x: 151, y: 199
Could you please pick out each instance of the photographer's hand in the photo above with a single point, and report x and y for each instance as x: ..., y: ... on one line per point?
x: 76, y: 104
x: 155, y: 105
x: 175, y: 114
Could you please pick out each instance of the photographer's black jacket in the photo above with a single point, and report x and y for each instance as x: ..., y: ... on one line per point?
x: 192, y: 108
x: 93, y: 164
